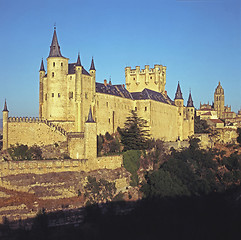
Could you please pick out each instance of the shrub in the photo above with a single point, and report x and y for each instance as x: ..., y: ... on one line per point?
x: 131, y: 161
x: 108, y: 137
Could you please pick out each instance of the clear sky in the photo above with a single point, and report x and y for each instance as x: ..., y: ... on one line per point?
x: 198, y: 40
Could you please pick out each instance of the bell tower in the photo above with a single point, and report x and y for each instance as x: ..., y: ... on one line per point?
x: 219, y: 100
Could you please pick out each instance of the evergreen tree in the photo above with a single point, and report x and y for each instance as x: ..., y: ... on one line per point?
x: 239, y: 136
x: 135, y: 133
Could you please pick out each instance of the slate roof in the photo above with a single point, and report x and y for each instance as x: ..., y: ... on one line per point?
x: 42, y: 66
x: 121, y: 91
x: 55, y: 48
x: 71, y: 69
x: 190, y: 102
x: 178, y: 94
x: 92, y: 67
x: 150, y: 94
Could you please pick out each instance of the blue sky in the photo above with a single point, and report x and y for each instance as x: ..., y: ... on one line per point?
x: 198, y: 40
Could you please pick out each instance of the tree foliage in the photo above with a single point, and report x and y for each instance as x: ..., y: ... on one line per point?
x: 23, y: 152
x: 135, y: 134
x: 131, y: 162
x: 99, y: 191
x: 200, y: 126
x: 193, y: 171
x: 239, y: 136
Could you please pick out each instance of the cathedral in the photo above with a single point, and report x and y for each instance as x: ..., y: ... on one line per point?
x: 73, y: 106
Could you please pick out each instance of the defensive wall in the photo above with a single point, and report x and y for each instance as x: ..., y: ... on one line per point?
x: 32, y: 131
x: 47, y: 166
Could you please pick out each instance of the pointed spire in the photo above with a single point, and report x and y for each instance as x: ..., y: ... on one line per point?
x: 92, y: 67
x: 90, y: 117
x: 178, y: 94
x: 55, y: 48
x: 5, y: 106
x: 78, y: 61
x: 42, y: 66
x: 190, y: 101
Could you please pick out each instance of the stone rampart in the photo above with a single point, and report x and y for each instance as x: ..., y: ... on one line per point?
x: 48, y: 166
x: 32, y: 131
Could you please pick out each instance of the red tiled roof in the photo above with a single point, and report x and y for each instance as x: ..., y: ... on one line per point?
x: 207, y: 113
x: 215, y: 120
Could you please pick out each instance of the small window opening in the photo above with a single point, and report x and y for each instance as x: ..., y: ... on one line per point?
x: 135, y: 108
x: 52, y: 94
x: 53, y: 64
x: 52, y: 74
x: 107, y: 104
x: 145, y: 108
x: 58, y: 94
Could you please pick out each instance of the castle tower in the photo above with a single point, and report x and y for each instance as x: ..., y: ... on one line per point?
x: 56, y: 95
x: 190, y: 114
x: 90, y: 137
x: 219, y: 100
x: 152, y: 78
x: 41, y: 83
x: 5, y: 126
x: 78, y: 95
x: 179, y: 103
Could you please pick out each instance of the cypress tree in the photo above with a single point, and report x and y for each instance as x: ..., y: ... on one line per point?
x: 135, y: 133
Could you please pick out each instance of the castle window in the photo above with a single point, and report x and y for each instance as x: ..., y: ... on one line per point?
x: 52, y: 94
x: 191, y: 110
x: 70, y: 95
x: 145, y: 108
x: 192, y: 118
x: 135, y: 108
x: 70, y: 77
x: 180, y: 114
x: 53, y: 64
x: 58, y: 94
x: 150, y: 77
x: 61, y: 64
x: 109, y: 120
x: 188, y: 110
x: 134, y: 79
x: 45, y: 96
x: 107, y: 104
x: 86, y: 95
x: 52, y: 74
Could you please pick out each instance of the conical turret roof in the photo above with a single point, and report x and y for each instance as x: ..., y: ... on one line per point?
x: 78, y: 61
x: 178, y: 94
x: 55, y: 48
x: 42, y: 66
x: 5, y: 106
x: 190, y: 101
x: 90, y: 117
x: 92, y: 67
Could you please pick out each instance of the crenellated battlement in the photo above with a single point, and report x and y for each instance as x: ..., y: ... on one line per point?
x: 152, y: 78
x: 37, y: 120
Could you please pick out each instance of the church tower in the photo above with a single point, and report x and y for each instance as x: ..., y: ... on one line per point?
x: 179, y: 103
x: 56, y: 94
x: 219, y: 100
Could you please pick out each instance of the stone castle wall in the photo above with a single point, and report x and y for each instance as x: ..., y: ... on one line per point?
x: 32, y: 131
x: 48, y: 166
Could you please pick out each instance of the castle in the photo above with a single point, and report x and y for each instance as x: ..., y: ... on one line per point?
x: 74, y: 108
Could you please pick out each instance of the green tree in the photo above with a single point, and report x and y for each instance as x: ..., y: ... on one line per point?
x: 239, y: 136
x: 131, y: 162
x: 135, y: 134
x: 99, y: 191
x: 200, y: 126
